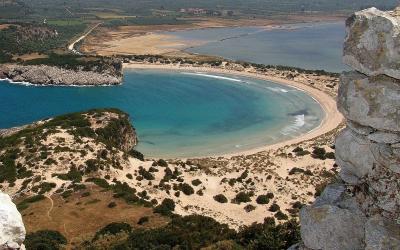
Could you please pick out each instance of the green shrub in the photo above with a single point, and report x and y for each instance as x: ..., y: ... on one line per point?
x: 330, y: 155
x: 162, y: 163
x: 262, y: 199
x: 99, y: 182
x: 136, y: 154
x: 281, y: 216
x: 72, y: 175
x: 91, y: 165
x: 143, y: 220
x: 146, y: 174
x: 196, y: 182
x: 296, y: 170
x: 248, y: 208
x: 45, y: 239
x: 220, y: 198
x: 113, y: 229
x: 274, y: 207
x: 269, y: 235
x: 319, y: 153
x: 112, y: 204
x: 189, y: 232
x: 186, y: 188
x: 166, y: 207
x: 242, y: 197
x: 25, y: 203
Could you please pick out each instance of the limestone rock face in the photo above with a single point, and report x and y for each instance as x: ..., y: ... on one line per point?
x: 51, y: 75
x: 357, y: 154
x: 372, y: 45
x: 373, y: 102
x: 364, y: 211
x: 381, y: 234
x: 330, y: 227
x: 12, y: 230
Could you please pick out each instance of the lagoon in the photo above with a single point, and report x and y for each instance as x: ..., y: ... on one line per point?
x: 178, y: 114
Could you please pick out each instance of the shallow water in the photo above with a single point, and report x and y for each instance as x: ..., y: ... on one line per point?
x: 308, y: 46
x: 178, y: 114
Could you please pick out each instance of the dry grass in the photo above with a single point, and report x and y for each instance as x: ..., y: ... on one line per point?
x: 78, y: 218
x: 31, y: 56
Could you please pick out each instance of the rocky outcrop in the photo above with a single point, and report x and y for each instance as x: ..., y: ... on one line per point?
x: 362, y: 211
x: 12, y: 230
x: 52, y: 75
x: 372, y: 44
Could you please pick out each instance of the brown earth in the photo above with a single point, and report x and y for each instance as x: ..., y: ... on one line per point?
x: 79, y: 218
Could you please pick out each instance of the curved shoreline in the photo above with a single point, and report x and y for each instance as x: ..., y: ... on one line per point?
x: 332, y: 118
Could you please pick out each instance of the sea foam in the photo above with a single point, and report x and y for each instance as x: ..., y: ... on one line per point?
x: 214, y: 76
x: 299, y: 121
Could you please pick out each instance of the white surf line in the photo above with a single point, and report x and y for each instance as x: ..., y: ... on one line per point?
x: 72, y: 45
x: 213, y: 76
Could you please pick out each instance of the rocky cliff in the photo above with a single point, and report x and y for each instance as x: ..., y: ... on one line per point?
x: 53, y: 75
x: 12, y: 230
x: 362, y: 210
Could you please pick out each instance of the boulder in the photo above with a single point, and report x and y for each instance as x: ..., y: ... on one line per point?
x: 371, y: 102
x: 353, y: 154
x: 381, y: 234
x: 330, y: 227
x: 372, y: 44
x: 357, y: 156
x: 12, y: 229
x: 332, y: 194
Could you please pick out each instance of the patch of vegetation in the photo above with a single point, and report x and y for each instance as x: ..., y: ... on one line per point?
x: 299, y: 151
x: 190, y: 232
x: 242, y: 197
x: 274, y: 207
x: 186, y: 188
x: 200, y: 232
x: 248, y: 208
x: 43, y: 187
x: 269, y: 235
x: 25, y: 203
x: 112, y: 204
x: 297, y: 170
x: 220, y: 198
x: 281, y: 216
x: 166, y: 207
x: 73, y: 175
x: 263, y: 199
x: 196, y: 182
x: 146, y: 174
x: 320, y: 153
x: 136, y: 154
x: 24, y: 38
x: 143, y: 220
x: 45, y: 239
x: 113, y: 229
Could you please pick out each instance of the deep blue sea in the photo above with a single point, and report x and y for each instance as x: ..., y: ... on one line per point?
x: 308, y: 46
x: 178, y: 114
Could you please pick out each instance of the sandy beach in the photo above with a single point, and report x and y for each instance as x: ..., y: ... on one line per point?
x: 330, y: 122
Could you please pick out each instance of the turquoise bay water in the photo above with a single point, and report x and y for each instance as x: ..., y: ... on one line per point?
x: 308, y: 46
x: 178, y: 114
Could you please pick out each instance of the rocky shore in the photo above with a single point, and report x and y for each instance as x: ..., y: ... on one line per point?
x: 362, y: 210
x: 53, y: 75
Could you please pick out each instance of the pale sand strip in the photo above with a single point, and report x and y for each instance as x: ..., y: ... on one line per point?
x: 330, y: 122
